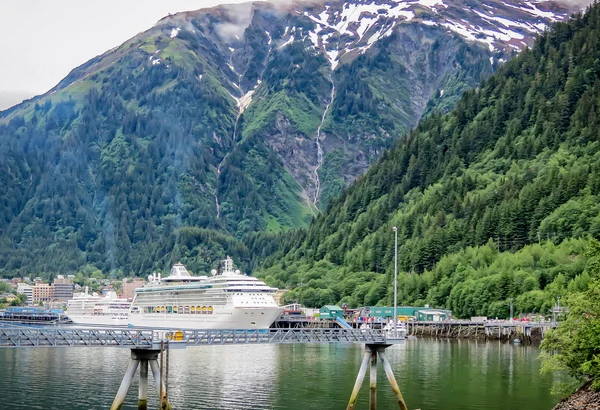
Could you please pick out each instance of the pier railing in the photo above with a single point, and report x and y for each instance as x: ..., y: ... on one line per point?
x: 151, y: 338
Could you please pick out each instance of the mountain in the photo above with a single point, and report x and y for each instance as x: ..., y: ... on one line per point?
x: 222, y: 122
x: 494, y: 202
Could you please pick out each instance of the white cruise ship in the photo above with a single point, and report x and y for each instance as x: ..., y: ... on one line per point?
x: 93, y: 309
x: 226, y: 300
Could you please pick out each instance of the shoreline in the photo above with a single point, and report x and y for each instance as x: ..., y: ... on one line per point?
x: 583, y: 398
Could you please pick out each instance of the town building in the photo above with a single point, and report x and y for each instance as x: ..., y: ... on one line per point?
x: 9, y: 297
x: 63, y: 288
x: 27, y: 290
x: 331, y: 312
x: 43, y: 292
x: 130, y: 286
x: 405, y: 313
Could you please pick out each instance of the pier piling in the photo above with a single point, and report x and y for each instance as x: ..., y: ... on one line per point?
x: 142, y: 358
x: 143, y: 390
x: 359, y: 381
x: 373, y: 381
x: 125, y: 383
x: 390, y: 376
x: 372, y: 351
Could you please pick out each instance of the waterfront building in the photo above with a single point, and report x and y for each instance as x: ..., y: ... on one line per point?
x: 63, y: 288
x: 331, y: 312
x: 43, y: 292
x: 27, y: 290
x: 405, y: 313
x: 129, y: 287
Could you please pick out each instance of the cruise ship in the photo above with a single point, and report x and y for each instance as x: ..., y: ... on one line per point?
x: 93, y: 309
x: 225, y: 300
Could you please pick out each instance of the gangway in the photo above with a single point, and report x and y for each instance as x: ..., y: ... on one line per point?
x: 342, y: 323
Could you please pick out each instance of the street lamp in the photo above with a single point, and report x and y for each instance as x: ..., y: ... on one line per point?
x: 395, y: 229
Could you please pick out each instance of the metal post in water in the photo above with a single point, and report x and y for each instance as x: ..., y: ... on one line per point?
x: 390, y: 375
x: 373, y: 381
x: 359, y: 380
x: 160, y: 394
x: 125, y: 383
x: 167, y: 375
x: 143, y: 390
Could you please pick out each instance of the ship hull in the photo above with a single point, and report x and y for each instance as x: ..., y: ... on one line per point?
x: 233, y: 318
x: 98, y: 320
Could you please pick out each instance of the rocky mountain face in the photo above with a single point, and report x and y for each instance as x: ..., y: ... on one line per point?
x: 226, y: 121
x: 495, y: 204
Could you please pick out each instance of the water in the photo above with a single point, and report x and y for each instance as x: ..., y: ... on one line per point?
x: 432, y: 375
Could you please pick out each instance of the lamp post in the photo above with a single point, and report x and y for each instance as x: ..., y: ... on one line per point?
x: 395, y: 229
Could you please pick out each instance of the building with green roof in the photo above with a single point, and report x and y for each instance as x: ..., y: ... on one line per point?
x: 331, y: 312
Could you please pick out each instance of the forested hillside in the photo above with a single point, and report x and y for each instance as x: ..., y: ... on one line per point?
x: 492, y: 201
x: 219, y: 123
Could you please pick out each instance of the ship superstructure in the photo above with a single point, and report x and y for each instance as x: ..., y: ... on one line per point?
x: 94, y: 309
x: 224, y: 300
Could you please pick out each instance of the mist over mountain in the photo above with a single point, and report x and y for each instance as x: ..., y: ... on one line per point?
x: 218, y: 123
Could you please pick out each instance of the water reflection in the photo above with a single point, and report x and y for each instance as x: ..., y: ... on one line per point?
x: 451, y: 375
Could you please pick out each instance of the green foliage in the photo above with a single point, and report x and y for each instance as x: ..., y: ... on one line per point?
x: 513, y: 169
x: 574, y: 347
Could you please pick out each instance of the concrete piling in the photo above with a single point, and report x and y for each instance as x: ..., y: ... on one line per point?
x: 390, y: 376
x: 359, y: 381
x: 373, y: 381
x: 141, y: 358
x: 143, y: 390
x: 372, y: 351
x: 125, y: 383
x: 164, y: 404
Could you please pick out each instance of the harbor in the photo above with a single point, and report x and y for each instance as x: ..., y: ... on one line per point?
x: 492, y: 376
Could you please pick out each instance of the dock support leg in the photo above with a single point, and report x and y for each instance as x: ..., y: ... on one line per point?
x: 143, y: 391
x: 390, y: 375
x: 125, y: 383
x: 373, y: 381
x: 371, y: 355
x: 359, y: 380
x: 165, y: 405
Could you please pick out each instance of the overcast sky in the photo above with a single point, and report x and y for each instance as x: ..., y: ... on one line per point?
x: 41, y: 41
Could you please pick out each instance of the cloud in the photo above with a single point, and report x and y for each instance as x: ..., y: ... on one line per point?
x: 575, y: 3
x: 239, y: 17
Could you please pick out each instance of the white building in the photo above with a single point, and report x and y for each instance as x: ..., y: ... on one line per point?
x: 27, y: 290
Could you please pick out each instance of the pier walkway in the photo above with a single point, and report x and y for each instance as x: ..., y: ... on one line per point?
x: 151, y: 338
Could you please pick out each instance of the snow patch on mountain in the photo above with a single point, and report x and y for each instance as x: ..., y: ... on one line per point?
x: 346, y: 27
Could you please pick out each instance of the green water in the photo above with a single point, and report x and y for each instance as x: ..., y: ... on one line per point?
x: 432, y: 375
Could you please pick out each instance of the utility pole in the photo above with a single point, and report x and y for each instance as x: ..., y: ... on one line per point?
x: 511, y: 308
x: 395, y: 229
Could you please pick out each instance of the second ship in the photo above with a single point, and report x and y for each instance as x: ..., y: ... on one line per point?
x: 225, y: 300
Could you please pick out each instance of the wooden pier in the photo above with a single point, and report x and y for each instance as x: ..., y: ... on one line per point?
x: 524, y: 332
